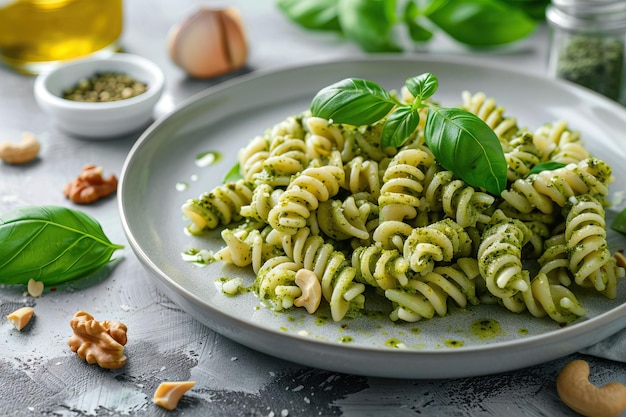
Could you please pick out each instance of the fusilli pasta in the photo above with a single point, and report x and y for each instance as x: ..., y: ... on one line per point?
x: 326, y: 198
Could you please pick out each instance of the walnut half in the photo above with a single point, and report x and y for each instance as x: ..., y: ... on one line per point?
x: 98, y: 342
x: 90, y: 186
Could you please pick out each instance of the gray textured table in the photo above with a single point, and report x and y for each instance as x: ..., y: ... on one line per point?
x: 39, y: 376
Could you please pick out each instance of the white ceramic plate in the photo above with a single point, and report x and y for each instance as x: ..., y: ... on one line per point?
x: 226, y: 117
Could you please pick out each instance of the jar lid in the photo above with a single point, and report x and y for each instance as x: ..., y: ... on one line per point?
x: 588, y: 15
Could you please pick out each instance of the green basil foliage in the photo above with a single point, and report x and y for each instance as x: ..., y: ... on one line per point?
x: 51, y: 244
x: 233, y: 174
x: 372, y: 24
x: 461, y: 142
x: 619, y: 223
x: 546, y: 166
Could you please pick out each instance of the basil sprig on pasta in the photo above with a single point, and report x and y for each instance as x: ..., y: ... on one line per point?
x: 460, y: 140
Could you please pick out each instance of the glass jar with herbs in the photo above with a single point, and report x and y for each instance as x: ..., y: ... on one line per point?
x: 587, y: 43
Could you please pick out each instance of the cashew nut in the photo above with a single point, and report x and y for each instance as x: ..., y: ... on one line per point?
x: 582, y: 396
x: 168, y: 394
x: 311, y: 288
x: 21, y: 317
x: 20, y: 153
x: 35, y: 288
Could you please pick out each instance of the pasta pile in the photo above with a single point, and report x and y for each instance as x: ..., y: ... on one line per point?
x: 326, y: 198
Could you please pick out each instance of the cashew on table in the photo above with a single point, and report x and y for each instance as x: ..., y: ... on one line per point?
x: 582, y: 396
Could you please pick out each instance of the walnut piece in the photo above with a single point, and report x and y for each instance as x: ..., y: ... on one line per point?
x: 98, y: 342
x: 168, y: 394
x: 90, y: 185
x: 21, y: 317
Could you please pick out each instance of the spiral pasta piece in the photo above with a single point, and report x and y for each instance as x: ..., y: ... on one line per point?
x: 540, y: 191
x: 402, y: 184
x: 554, y: 262
x: 522, y: 155
x: 380, y: 268
x: 218, y: 207
x: 361, y: 175
x: 585, y: 235
x: 427, y: 295
x: 344, y: 220
x: 392, y: 234
x: 560, y: 144
x: 264, y: 197
x: 323, y: 137
x: 500, y: 256
x: 459, y: 201
x: 286, y: 157
x: 542, y: 298
x: 251, y: 158
x: 336, y: 274
x: 492, y: 114
x: 442, y: 241
x: 275, y: 283
x: 304, y: 194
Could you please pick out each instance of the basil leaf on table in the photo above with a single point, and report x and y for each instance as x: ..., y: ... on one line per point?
x: 467, y: 146
x: 352, y: 101
x: 51, y: 244
x: 369, y: 23
x: 480, y: 22
x: 312, y: 14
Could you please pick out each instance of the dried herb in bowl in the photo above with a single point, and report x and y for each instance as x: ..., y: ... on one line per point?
x: 105, y: 87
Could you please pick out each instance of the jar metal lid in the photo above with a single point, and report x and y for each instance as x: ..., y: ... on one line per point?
x: 588, y: 15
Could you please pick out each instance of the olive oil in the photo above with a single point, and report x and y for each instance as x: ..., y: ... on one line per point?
x: 35, y: 34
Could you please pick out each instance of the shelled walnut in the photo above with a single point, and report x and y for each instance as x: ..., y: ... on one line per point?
x: 90, y: 185
x: 98, y: 342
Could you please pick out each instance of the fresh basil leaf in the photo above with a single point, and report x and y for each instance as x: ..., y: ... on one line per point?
x: 352, y: 101
x: 369, y: 23
x: 536, y: 9
x: 619, y: 224
x: 233, y: 174
x: 546, y: 166
x: 51, y: 244
x: 312, y: 14
x: 467, y: 146
x: 418, y: 33
x: 399, y: 126
x: 422, y: 86
x: 480, y: 22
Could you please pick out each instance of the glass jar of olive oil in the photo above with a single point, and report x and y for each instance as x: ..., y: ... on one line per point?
x: 588, y: 39
x: 37, y: 34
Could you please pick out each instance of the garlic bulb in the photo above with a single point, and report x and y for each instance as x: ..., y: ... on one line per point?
x: 209, y: 43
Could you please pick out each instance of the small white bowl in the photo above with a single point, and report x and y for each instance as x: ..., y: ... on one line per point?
x: 100, y: 120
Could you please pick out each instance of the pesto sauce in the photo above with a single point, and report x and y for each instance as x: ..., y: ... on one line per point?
x: 485, y: 328
x: 204, y: 159
x: 393, y: 342
x: 454, y: 343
